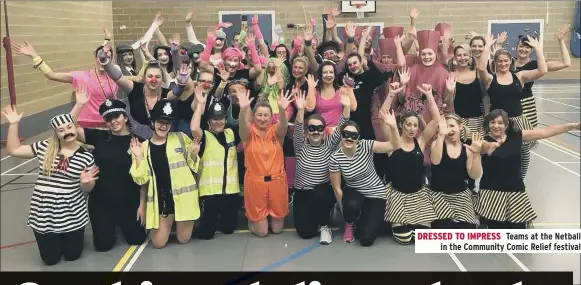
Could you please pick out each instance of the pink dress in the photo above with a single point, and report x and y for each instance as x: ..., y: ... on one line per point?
x: 330, y: 109
x: 99, y: 88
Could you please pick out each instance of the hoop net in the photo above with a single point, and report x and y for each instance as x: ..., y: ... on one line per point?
x: 359, y: 11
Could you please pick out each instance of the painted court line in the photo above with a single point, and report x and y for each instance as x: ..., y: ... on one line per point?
x: 556, y: 164
x: 13, y: 245
x: 136, y: 255
x: 518, y: 262
x: 124, y: 258
x: 32, y: 159
x: 457, y: 261
x: 560, y: 103
x: 560, y: 148
x: 20, y: 174
x: 569, y: 162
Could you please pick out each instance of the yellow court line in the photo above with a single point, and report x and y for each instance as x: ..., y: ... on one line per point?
x: 563, y: 148
x: 123, y: 261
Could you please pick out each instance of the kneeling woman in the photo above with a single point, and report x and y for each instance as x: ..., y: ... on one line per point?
x: 116, y: 200
x: 165, y: 162
x: 218, y: 173
x: 452, y: 164
x: 502, y: 200
x: 58, y: 208
x: 265, y: 180
x: 314, y: 198
x: 364, y: 195
x: 409, y: 205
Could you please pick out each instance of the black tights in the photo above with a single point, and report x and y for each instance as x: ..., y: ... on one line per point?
x: 53, y: 246
x: 219, y: 212
x: 492, y: 224
x: 312, y: 208
x: 370, y: 212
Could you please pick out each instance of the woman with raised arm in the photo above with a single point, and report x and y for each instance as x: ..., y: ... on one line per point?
x: 363, y: 196
x: 505, y: 87
x: 503, y: 202
x: 165, y: 165
x: 265, y: 181
x: 314, y: 198
x: 143, y: 96
x: 408, y: 198
x: 115, y: 200
x: 218, y: 173
x: 452, y: 164
x: 99, y: 85
x: 524, y: 62
x: 66, y: 172
x: 324, y: 97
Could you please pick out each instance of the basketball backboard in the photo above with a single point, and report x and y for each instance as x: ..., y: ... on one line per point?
x: 358, y: 7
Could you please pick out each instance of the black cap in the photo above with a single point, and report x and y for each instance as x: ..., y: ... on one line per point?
x: 112, y: 106
x: 195, y: 49
x: 123, y: 48
x: 163, y: 110
x: 217, y: 109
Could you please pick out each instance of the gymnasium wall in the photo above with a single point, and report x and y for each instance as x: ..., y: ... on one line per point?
x: 65, y: 34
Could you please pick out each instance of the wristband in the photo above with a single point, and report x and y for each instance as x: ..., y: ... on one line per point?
x: 351, y: 40
x: 44, y: 68
x: 308, y: 43
x: 36, y: 60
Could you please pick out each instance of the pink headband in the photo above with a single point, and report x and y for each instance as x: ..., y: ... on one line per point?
x: 231, y: 52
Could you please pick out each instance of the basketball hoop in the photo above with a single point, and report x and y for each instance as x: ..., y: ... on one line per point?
x: 359, y: 10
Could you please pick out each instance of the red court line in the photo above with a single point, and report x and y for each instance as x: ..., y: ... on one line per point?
x: 16, y: 244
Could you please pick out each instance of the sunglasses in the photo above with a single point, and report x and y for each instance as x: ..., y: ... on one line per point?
x: 350, y: 135
x: 153, y: 62
x: 316, y: 128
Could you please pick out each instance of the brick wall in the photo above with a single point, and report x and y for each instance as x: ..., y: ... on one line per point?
x: 464, y: 16
x: 64, y: 34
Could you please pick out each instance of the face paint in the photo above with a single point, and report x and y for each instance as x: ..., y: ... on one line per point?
x: 206, y: 85
x: 153, y: 80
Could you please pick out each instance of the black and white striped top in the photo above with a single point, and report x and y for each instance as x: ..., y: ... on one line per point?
x: 359, y: 171
x: 313, y: 161
x: 58, y: 205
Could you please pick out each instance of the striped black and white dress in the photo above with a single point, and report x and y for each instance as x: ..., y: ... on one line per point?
x: 313, y: 161
x: 502, y: 196
x: 58, y: 204
x: 408, y: 199
x: 529, y: 106
x: 469, y: 107
x: 450, y: 196
x: 359, y: 171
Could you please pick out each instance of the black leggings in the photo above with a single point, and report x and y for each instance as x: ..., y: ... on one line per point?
x: 219, y: 212
x: 370, y: 212
x: 53, y: 246
x: 106, y: 217
x: 492, y: 224
x: 312, y: 208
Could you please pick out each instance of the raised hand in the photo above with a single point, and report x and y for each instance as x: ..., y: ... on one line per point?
x: 311, y: 81
x: 184, y: 74
x: 414, y: 13
x: 189, y: 15
x: 451, y: 82
x: 350, y: 29
x: 395, y: 88
x: 348, y: 81
x: 308, y: 33
x: 300, y: 100
x: 476, y: 146
x: 388, y: 117
x: 200, y: 96
x: 426, y: 89
x: 563, y: 31
x: 89, y: 175
x: 136, y: 147
x: 284, y: 101
x: 533, y: 42
x: 11, y: 114
x: 24, y: 49
x: 244, y: 99
x: 443, y: 126
x: 159, y: 19
x: 404, y: 75
x: 81, y: 94
x: 194, y: 147
x: 344, y: 97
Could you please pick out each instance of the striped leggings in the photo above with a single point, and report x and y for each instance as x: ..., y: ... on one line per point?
x: 529, y: 110
x: 474, y: 125
x: 522, y: 123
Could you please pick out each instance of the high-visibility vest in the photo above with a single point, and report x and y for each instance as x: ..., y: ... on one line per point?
x: 184, y: 187
x: 219, y: 165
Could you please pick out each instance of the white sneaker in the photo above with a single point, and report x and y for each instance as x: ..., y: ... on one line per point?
x: 326, y: 235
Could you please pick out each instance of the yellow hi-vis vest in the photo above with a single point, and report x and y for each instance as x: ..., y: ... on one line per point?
x: 218, y: 163
x: 184, y: 186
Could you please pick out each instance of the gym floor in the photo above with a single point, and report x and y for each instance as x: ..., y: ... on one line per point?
x: 553, y: 186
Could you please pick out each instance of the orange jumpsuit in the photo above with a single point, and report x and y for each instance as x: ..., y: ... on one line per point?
x: 265, y: 181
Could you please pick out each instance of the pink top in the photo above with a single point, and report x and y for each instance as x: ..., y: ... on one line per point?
x: 329, y: 109
x: 99, y: 88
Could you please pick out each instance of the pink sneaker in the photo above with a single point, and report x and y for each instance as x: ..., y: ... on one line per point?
x: 348, y: 234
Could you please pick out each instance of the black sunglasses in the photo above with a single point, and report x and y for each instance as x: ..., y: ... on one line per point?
x: 316, y: 128
x: 153, y: 62
x: 350, y: 135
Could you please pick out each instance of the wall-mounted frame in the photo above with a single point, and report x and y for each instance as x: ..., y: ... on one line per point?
x: 378, y: 27
x: 266, y: 22
x: 514, y: 28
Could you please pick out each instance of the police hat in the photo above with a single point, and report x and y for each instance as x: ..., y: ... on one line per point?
x: 163, y: 110
x: 123, y: 48
x: 327, y: 46
x: 195, y: 49
x: 112, y: 106
x: 217, y: 110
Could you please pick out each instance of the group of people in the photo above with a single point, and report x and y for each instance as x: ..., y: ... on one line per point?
x: 204, y: 130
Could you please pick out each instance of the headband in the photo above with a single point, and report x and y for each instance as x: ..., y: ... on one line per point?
x: 60, y: 120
